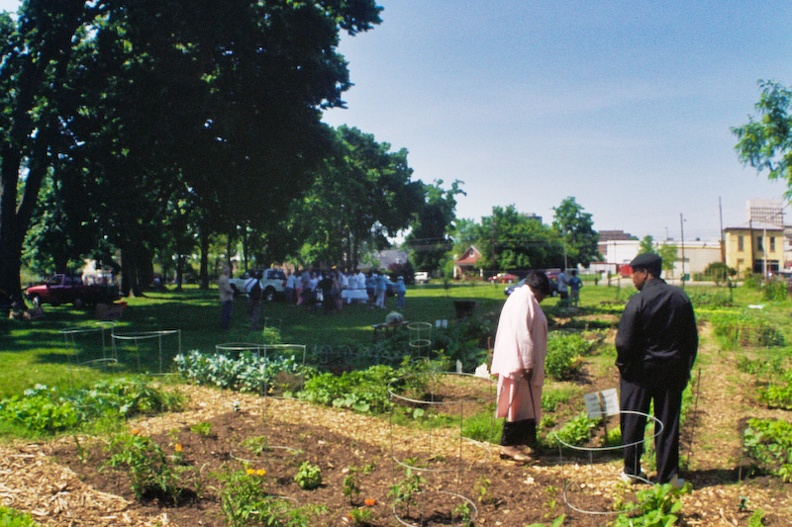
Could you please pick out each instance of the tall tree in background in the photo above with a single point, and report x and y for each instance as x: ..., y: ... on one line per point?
x: 361, y: 194
x: 510, y: 240
x: 646, y: 245
x: 766, y: 143
x: 429, y: 237
x: 36, y: 53
x: 152, y: 98
x: 576, y: 229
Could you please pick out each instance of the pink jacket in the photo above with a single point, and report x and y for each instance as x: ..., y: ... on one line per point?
x: 521, y: 340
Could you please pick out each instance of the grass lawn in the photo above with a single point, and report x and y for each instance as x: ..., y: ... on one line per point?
x: 42, y: 351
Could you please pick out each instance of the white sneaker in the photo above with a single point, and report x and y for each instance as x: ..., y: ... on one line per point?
x: 631, y: 479
x: 677, y: 482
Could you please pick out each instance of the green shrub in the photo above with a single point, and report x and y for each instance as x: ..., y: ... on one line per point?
x: 575, y: 432
x: 309, y: 476
x: 565, y: 353
x: 148, y: 466
x: 12, y: 518
x: 44, y: 410
x: 769, y: 444
x: 248, y: 373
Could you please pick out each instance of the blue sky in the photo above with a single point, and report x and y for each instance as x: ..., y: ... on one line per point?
x: 627, y: 106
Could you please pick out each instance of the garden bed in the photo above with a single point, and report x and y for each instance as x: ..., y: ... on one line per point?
x: 51, y: 480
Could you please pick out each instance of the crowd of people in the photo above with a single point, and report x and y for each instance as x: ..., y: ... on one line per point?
x: 328, y: 290
x: 331, y: 289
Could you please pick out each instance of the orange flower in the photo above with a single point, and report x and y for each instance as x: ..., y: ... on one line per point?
x: 178, y: 447
x: 134, y: 431
x: 370, y: 502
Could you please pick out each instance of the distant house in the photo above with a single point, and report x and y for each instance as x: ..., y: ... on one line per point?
x: 757, y: 248
x: 465, y: 264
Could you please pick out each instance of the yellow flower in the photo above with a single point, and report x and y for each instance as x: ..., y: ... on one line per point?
x: 178, y: 447
x: 250, y: 472
x: 135, y: 431
x: 261, y: 472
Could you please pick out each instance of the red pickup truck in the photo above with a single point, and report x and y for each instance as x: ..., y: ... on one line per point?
x: 68, y: 289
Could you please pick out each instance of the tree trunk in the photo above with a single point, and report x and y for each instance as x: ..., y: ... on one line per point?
x: 204, y: 241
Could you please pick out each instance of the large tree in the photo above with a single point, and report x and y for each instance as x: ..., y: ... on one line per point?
x: 155, y: 99
x: 512, y: 241
x: 765, y: 142
x: 576, y: 229
x: 362, y: 194
x: 429, y: 237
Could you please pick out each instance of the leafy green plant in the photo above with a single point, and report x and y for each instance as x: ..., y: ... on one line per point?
x: 558, y: 522
x: 565, y: 353
x: 656, y: 507
x: 769, y: 444
x: 309, y: 476
x: 757, y: 518
x: 361, y: 516
x: 203, y: 429
x: 778, y: 396
x: 45, y: 410
x: 248, y: 373
x: 577, y: 431
x: 245, y: 503
x: 463, y: 513
x: 147, y: 465
x: 351, y: 484
x: 403, y: 492
x: 12, y: 518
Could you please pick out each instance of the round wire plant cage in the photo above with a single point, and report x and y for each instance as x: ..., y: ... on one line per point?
x: 139, y: 346
x: 91, y: 344
x: 442, y: 507
x: 272, y: 384
x: 583, y: 480
x: 441, y: 423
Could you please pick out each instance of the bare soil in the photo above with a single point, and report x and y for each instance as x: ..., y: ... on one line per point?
x: 66, y: 483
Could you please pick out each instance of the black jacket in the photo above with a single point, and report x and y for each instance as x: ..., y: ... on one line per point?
x: 657, y: 340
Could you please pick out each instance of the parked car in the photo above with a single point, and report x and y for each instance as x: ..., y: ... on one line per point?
x: 68, y: 289
x: 273, y: 283
x: 551, y: 275
x: 422, y: 277
x: 503, y: 278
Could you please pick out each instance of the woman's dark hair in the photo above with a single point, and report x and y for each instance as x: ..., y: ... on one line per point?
x: 538, y: 281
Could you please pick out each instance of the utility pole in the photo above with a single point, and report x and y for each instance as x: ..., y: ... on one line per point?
x: 682, y: 234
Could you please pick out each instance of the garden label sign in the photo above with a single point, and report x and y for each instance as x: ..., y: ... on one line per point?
x: 600, y: 404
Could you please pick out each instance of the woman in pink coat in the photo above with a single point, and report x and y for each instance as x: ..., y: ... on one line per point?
x: 518, y: 361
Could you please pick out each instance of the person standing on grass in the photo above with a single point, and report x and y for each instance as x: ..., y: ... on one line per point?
x: 518, y: 361
x: 226, y: 297
x: 401, y: 291
x: 656, y: 345
x: 254, y: 292
x: 575, y: 283
x: 563, y: 288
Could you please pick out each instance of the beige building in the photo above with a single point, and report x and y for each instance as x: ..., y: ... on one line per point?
x: 758, y: 248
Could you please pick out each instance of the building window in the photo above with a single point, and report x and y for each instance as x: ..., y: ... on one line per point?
x: 740, y: 243
x: 759, y: 245
x: 772, y: 244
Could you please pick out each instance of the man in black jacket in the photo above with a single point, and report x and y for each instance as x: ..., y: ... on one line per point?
x: 656, y: 346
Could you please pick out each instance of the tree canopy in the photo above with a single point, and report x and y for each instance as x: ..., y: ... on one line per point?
x: 576, y: 229
x: 765, y: 142
x: 133, y: 107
